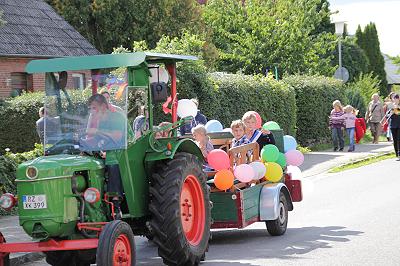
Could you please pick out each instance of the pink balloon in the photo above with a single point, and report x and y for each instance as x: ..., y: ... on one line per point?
x: 244, y: 173
x: 294, y: 157
x: 218, y: 159
x: 258, y: 118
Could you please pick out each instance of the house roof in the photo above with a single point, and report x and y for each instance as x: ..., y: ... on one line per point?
x: 33, y: 28
x: 392, y: 71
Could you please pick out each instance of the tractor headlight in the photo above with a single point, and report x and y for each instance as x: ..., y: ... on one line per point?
x: 92, y: 195
x: 7, y: 201
x: 32, y: 172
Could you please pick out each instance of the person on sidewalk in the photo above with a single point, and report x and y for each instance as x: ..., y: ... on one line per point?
x: 387, y: 106
x: 374, y: 115
x: 361, y: 127
x: 393, y: 116
x: 336, y: 123
x: 350, y: 123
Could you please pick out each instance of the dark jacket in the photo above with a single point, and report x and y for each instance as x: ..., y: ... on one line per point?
x: 199, y: 119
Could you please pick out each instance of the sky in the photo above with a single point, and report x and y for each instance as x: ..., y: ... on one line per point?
x: 384, y: 13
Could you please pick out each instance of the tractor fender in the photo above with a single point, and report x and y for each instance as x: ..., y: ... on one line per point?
x: 269, y: 200
x: 181, y: 145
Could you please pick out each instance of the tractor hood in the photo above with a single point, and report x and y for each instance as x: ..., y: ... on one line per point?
x: 58, y: 166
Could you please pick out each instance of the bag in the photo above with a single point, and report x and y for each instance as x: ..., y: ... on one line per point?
x: 370, y: 114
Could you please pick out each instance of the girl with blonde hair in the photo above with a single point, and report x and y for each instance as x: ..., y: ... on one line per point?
x: 336, y: 123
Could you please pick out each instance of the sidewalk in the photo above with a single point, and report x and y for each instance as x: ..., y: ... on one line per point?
x: 319, y: 162
x: 314, y: 163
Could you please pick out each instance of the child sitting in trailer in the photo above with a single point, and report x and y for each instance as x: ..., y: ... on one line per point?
x: 202, y: 140
x: 238, y: 130
x: 263, y: 137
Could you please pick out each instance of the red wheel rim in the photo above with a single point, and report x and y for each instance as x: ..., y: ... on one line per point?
x: 122, y: 251
x: 193, y: 211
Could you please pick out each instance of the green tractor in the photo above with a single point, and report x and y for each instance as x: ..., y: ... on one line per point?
x: 68, y: 200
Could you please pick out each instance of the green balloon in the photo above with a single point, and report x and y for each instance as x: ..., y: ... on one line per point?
x: 281, y: 160
x: 269, y: 153
x: 271, y: 125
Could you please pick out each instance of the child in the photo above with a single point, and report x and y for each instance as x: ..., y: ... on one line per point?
x: 253, y: 134
x: 336, y: 123
x: 202, y: 140
x: 350, y: 122
x: 239, y: 138
x: 361, y: 127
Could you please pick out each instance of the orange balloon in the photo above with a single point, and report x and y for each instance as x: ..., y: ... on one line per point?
x: 223, y: 179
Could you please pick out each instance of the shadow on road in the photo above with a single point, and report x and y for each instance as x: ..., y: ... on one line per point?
x: 257, y: 243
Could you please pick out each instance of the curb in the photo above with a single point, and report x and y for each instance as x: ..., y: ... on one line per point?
x: 26, y: 258
x: 361, y: 160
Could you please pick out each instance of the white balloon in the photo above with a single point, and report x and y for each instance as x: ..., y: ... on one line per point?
x: 158, y: 74
x: 186, y: 108
x: 259, y: 170
x: 227, y: 130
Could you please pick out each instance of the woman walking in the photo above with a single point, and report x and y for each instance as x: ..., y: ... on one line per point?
x: 393, y: 115
x: 374, y: 115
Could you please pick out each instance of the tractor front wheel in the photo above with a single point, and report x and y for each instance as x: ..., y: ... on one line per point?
x: 180, y: 209
x: 116, y: 245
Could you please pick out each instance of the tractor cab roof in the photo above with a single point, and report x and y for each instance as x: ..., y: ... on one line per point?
x: 102, y: 61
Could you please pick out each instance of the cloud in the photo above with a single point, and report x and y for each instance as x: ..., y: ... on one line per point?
x: 383, y: 13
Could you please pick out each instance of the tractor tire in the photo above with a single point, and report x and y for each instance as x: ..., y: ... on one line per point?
x: 116, y: 245
x: 180, y: 210
x: 278, y: 227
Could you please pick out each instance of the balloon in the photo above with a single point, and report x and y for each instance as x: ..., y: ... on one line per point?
x: 258, y: 118
x: 294, y: 171
x: 271, y: 125
x: 294, y: 157
x: 223, y: 179
x: 244, y: 173
x: 186, y: 108
x: 270, y: 153
x: 289, y: 143
x: 274, y: 172
x: 281, y: 160
x: 259, y: 170
x: 213, y: 126
x: 218, y: 159
x: 227, y: 130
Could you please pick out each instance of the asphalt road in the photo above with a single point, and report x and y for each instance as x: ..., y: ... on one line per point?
x: 351, y: 218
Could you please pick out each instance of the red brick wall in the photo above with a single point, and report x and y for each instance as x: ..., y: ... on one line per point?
x: 9, y: 65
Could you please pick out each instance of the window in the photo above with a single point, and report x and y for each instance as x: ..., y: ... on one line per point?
x: 78, y: 81
x: 21, y: 82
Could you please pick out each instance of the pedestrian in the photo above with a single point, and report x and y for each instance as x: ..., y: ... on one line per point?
x: 48, y: 128
x: 393, y: 115
x: 350, y: 123
x: 373, y: 116
x: 200, y: 119
x: 387, y: 106
x: 336, y: 124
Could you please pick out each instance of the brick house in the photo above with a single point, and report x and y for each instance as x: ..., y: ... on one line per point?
x: 33, y: 30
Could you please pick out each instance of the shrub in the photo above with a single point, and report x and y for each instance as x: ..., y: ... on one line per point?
x: 314, y: 97
x: 366, y: 85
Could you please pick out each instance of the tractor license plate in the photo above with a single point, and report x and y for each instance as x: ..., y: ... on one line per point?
x: 34, y: 202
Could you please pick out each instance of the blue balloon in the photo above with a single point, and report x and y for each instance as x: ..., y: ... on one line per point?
x: 289, y: 143
x: 214, y: 126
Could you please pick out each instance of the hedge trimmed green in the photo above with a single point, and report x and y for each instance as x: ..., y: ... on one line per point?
x: 314, y: 97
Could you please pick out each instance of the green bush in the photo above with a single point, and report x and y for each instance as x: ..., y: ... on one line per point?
x: 314, y: 97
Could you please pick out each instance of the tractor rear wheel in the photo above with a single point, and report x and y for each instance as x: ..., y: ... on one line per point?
x: 278, y: 227
x: 180, y: 209
x: 116, y: 245
x: 5, y: 261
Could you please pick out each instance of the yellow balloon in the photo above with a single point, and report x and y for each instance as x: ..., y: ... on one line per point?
x: 274, y: 172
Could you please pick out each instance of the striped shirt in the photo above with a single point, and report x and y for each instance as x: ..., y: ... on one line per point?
x: 336, y: 120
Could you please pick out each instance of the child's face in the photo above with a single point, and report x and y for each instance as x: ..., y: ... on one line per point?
x: 238, y: 132
x: 250, y: 124
x: 198, y: 136
x: 336, y: 108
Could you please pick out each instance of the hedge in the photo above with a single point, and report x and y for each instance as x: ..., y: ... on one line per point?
x: 314, y: 97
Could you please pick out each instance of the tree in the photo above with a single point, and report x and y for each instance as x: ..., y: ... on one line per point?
x: 112, y: 23
x: 254, y: 36
x: 368, y: 40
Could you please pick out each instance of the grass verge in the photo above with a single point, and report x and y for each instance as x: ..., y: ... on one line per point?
x: 362, y: 162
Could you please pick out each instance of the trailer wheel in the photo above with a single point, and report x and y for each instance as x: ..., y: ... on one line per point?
x: 60, y: 258
x: 180, y: 209
x: 5, y: 261
x: 116, y: 245
x: 278, y: 227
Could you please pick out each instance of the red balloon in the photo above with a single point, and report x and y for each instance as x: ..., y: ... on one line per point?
x: 258, y: 118
x: 218, y: 159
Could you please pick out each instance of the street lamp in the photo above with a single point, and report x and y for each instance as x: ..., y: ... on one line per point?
x: 341, y: 73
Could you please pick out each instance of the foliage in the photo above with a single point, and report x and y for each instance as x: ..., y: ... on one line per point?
x: 365, y: 85
x: 253, y: 36
x: 353, y: 58
x: 368, y: 40
x: 111, y: 23
x: 314, y: 97
x: 355, y: 99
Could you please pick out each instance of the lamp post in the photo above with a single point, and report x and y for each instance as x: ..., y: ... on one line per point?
x: 339, y: 28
